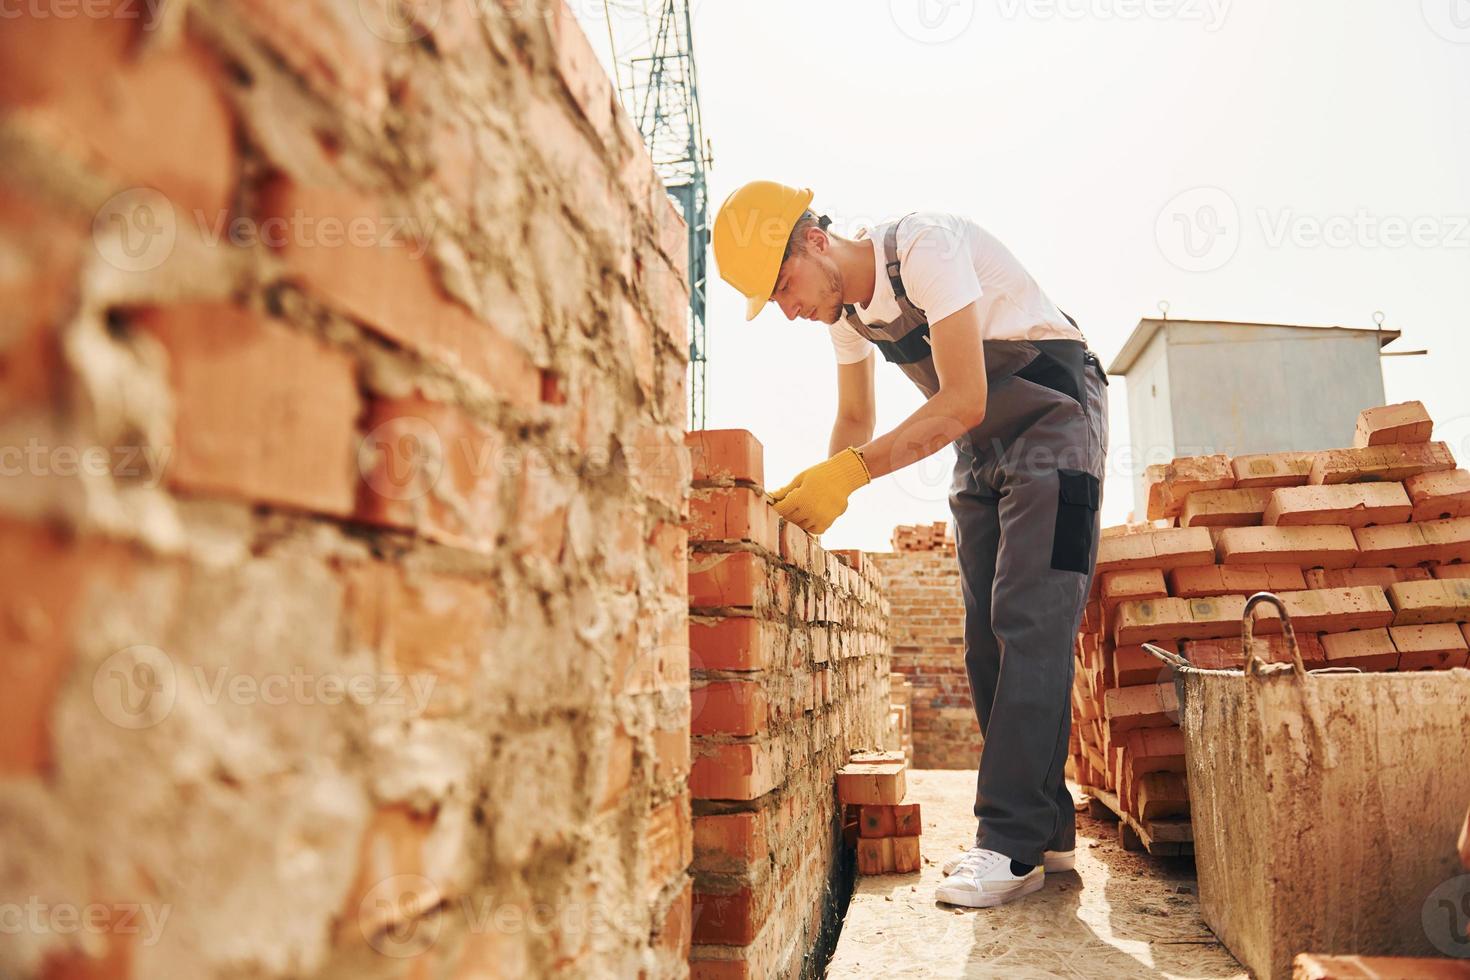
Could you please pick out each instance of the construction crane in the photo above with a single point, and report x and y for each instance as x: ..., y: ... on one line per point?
x: 652, y: 60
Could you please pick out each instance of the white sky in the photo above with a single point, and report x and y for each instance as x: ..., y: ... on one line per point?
x: 1067, y: 128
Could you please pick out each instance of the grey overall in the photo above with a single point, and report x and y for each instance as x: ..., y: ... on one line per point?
x: 1025, y: 496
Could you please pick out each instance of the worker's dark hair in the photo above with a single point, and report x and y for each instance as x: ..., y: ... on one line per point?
x: 797, y: 242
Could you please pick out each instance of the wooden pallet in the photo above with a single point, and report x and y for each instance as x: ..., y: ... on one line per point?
x: 1162, y: 838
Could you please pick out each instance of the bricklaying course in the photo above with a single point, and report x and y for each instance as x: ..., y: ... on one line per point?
x: 377, y: 604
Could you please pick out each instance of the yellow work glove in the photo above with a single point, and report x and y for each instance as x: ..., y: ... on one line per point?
x: 818, y: 495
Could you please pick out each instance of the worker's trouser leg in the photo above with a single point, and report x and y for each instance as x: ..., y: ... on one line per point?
x: 1026, y: 507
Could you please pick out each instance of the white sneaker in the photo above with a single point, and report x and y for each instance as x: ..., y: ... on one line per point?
x: 983, y: 879
x: 1052, y: 861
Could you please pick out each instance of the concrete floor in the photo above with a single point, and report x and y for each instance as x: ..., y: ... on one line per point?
x: 1121, y: 914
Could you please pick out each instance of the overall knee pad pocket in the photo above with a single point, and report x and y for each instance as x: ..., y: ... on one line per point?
x: 1077, y: 503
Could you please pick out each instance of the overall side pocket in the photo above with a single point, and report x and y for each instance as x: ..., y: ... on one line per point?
x: 1079, y: 495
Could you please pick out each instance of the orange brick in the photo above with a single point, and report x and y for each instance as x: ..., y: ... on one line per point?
x: 1305, y: 547
x: 1342, y: 578
x: 424, y: 624
x: 262, y: 412
x: 1393, y: 461
x: 1435, y: 601
x: 732, y: 514
x: 668, y: 842
x: 675, y: 931
x: 1134, y: 583
x: 671, y: 751
x: 907, y: 820
x: 157, y: 121
x: 1133, y: 665
x: 871, y: 782
x: 796, y: 544
x: 1329, y: 610
x: 734, y: 771
x: 44, y: 250
x: 431, y: 468
x: 44, y: 580
x: 876, y: 821
x: 1346, y: 504
x: 730, y: 842
x: 726, y: 919
x: 1225, y: 508
x: 1161, y: 549
x: 1272, y: 469
x: 48, y: 57
x: 1155, y: 749
x: 1403, y: 422
x: 1198, y: 581
x: 724, y: 456
x: 722, y: 579
x: 1159, y: 795
x: 728, y: 707
x: 1446, y: 542
x: 1171, y: 484
x: 1364, y: 649
x: 1146, y: 706
x: 615, y: 777
x: 729, y: 643
x: 383, y: 280
x: 906, y: 856
x: 1439, y: 495
x: 1435, y: 646
x: 1150, y: 620
x: 393, y: 847
x: 1439, y: 571
x: 875, y: 855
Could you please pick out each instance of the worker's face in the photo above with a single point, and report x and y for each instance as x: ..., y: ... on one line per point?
x: 810, y: 284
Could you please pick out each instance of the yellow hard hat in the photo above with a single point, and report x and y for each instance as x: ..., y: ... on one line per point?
x: 750, y: 236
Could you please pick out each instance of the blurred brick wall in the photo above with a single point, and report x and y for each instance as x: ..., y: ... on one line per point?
x: 928, y: 629
x: 789, y: 657
x: 344, y: 593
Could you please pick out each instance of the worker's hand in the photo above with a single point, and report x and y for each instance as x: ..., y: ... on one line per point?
x: 818, y: 495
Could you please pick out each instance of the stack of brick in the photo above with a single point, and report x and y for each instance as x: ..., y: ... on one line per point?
x: 1368, y: 546
x: 922, y: 537
x: 344, y: 579
x: 884, y: 830
x: 928, y: 630
x: 788, y: 652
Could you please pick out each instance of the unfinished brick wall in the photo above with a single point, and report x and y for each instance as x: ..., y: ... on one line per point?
x: 344, y: 592
x: 788, y: 652
x: 922, y: 581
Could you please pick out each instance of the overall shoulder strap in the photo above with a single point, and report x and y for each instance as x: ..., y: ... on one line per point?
x: 891, y: 266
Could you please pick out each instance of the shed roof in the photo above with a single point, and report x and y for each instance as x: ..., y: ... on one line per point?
x: 1143, y: 335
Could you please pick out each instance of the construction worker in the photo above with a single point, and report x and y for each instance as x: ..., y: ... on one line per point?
x: 1010, y: 383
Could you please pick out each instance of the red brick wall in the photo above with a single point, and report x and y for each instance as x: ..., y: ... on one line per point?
x: 928, y: 629
x: 344, y: 584
x: 788, y: 654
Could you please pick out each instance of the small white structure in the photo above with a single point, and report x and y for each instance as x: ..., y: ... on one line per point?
x: 1197, y: 387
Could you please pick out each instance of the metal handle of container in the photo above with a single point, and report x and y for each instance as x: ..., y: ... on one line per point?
x: 1167, y: 656
x: 1254, y: 663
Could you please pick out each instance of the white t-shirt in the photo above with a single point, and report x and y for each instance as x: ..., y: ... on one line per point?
x: 947, y: 263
